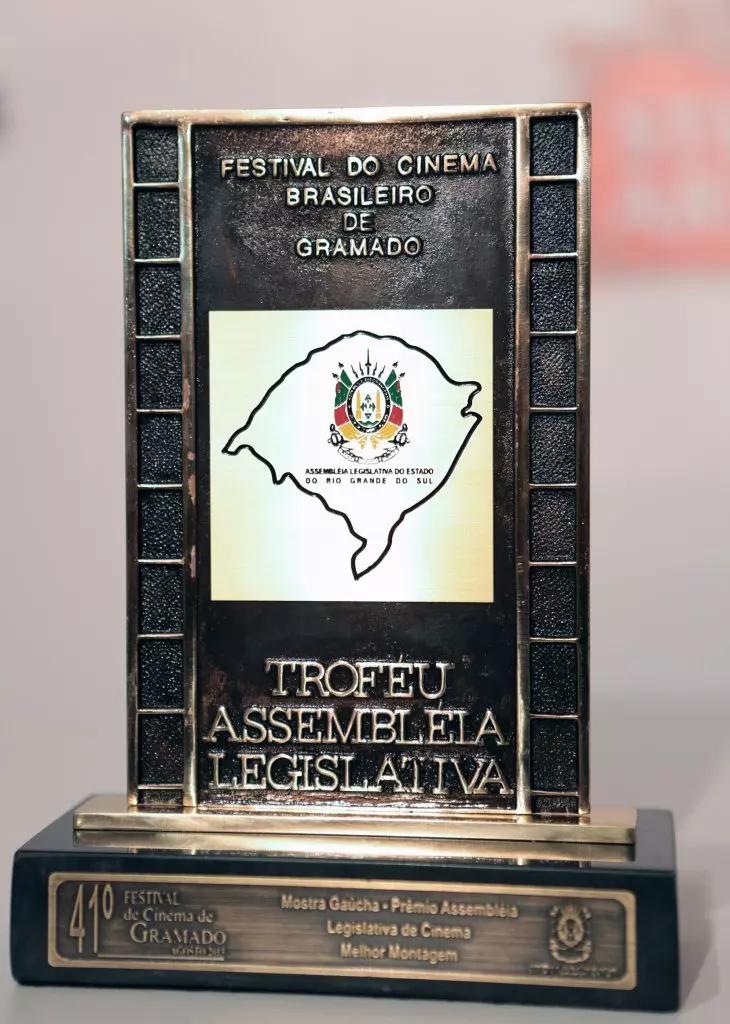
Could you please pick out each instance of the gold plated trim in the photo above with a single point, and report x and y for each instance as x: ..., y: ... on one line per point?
x: 522, y: 457
x: 372, y: 848
x: 583, y: 222
x: 187, y: 335
x: 606, y: 826
x: 321, y: 965
x: 132, y: 466
x: 349, y: 115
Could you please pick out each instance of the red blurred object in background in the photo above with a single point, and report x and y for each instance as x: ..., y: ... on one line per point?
x: 661, y: 140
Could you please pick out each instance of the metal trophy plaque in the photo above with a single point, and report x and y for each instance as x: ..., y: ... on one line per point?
x: 357, y: 496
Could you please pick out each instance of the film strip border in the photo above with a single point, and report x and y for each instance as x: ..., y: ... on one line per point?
x: 160, y: 466
x: 552, y: 463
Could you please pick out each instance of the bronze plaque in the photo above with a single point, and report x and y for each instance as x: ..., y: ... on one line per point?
x: 467, y: 933
x: 357, y: 486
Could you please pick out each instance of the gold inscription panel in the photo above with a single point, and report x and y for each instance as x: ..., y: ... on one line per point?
x: 379, y: 929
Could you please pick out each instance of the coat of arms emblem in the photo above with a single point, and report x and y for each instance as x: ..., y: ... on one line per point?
x: 368, y: 424
x: 570, y: 939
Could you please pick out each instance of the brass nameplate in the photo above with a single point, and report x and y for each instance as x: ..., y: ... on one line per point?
x: 380, y: 929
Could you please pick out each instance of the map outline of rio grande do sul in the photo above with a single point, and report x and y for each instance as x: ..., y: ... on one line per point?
x: 374, y: 420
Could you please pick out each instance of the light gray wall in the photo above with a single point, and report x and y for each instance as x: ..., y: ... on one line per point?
x: 661, y: 366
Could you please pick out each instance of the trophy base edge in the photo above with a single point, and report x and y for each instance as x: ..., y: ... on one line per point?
x: 603, y: 825
x: 648, y: 877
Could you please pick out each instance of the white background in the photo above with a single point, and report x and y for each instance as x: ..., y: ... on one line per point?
x: 273, y: 542
x: 661, y: 365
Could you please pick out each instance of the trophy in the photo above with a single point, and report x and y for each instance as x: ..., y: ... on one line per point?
x: 358, y: 607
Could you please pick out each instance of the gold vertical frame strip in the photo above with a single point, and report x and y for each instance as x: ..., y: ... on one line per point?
x: 130, y: 292
x: 523, y: 803
x: 583, y: 227
x: 187, y: 341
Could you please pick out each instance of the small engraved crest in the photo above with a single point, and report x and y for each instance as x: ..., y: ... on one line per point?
x: 368, y: 411
x: 570, y: 938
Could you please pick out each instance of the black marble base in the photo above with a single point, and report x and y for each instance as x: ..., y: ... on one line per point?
x: 49, y: 934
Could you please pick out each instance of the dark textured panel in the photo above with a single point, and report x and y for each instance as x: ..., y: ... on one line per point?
x: 155, y: 154
x: 553, y: 145
x: 159, y: 375
x: 160, y: 599
x: 553, y: 679
x: 158, y: 299
x: 160, y: 798
x: 555, y: 805
x: 244, y: 252
x: 157, y: 223
x: 160, y: 673
x: 553, y: 526
x: 553, y: 216
x: 552, y: 372
x: 552, y: 448
x: 160, y: 524
x: 160, y: 749
x: 554, y: 761
x: 552, y: 295
x: 553, y: 601
x: 160, y: 449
